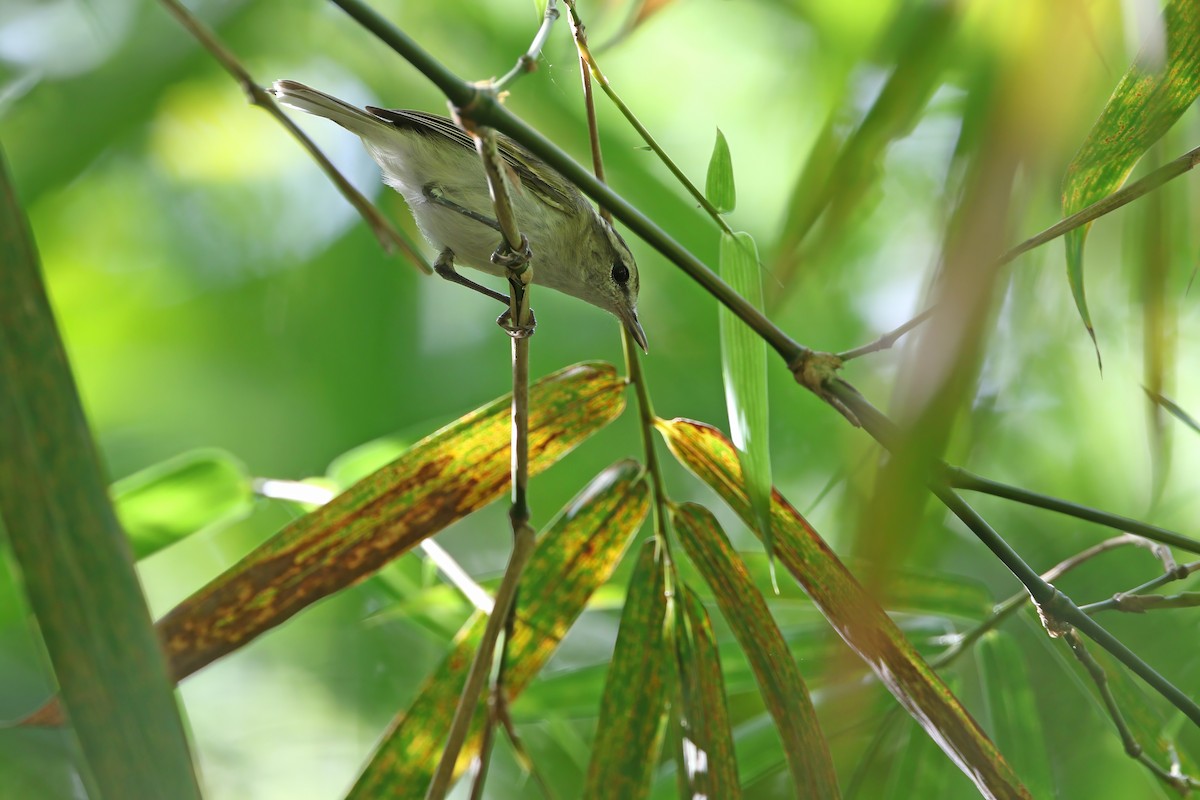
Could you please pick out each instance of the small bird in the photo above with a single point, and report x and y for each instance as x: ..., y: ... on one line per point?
x: 433, y: 163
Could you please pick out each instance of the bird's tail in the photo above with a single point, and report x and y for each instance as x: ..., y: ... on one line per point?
x: 305, y: 98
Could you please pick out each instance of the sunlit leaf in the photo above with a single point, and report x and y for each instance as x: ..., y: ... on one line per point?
x: 633, y: 708
x: 356, y: 464
x: 718, y: 186
x: 744, y: 370
x: 575, y: 555
x: 76, y: 567
x: 710, y: 769
x: 853, y: 614
x: 170, y: 501
x: 1016, y: 721
x: 444, y: 477
x: 779, y: 680
x: 1151, y: 96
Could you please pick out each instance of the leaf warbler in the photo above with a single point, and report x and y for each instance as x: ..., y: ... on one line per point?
x: 433, y: 163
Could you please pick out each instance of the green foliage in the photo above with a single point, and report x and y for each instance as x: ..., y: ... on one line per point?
x: 170, y: 501
x: 214, y: 292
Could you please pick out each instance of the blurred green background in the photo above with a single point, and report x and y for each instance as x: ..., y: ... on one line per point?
x: 215, y: 291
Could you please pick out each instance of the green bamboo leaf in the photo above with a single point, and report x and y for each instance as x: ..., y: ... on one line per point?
x: 718, y: 186
x: 779, y: 680
x: 634, y: 706
x: 170, y: 501
x: 444, y: 477
x: 1146, y: 103
x: 1016, y: 723
x: 574, y: 556
x: 76, y: 566
x: 854, y: 615
x: 744, y: 370
x: 359, y: 462
x: 710, y: 767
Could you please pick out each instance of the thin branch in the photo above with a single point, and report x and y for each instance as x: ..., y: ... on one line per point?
x: 1112, y: 202
x: 481, y: 666
x: 633, y: 363
x: 390, y: 238
x: 528, y: 61
x: 888, y: 339
x: 1059, y: 613
x: 1177, y: 781
x: 1174, y: 408
x: 514, y: 255
x: 1137, y: 600
x: 585, y: 55
x: 1010, y: 606
x: 962, y: 479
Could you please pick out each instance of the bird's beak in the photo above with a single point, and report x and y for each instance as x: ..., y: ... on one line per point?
x: 630, y: 320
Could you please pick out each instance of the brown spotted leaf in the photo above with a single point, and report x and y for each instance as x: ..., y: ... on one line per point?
x: 852, y: 612
x: 634, y: 706
x: 709, y: 764
x: 1151, y: 96
x: 779, y: 680
x: 443, y: 478
x: 574, y: 556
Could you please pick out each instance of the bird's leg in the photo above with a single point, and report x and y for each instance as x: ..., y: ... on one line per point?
x: 434, y: 194
x: 444, y: 267
x: 504, y: 256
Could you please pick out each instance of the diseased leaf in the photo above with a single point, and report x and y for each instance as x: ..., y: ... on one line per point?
x: 576, y: 554
x: 744, y: 370
x: 710, y: 767
x: 633, y: 708
x: 853, y: 614
x: 1146, y: 103
x: 444, y: 477
x: 779, y: 680
x: 170, y: 501
x: 718, y: 186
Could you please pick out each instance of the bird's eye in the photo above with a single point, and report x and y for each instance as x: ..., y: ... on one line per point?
x: 620, y: 272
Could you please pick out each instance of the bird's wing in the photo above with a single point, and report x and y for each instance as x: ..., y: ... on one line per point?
x: 531, y: 172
